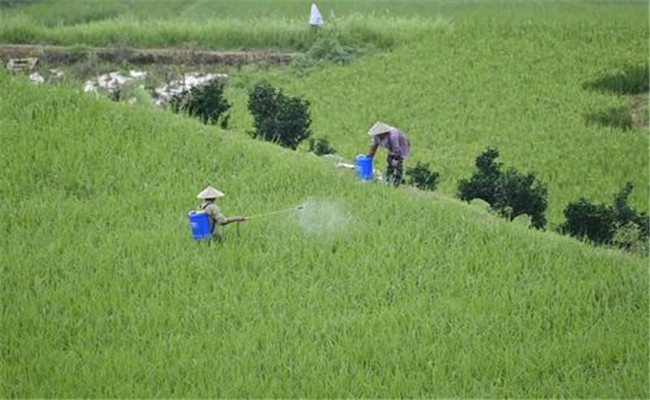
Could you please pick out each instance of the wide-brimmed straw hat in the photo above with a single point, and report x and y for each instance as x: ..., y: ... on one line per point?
x: 210, y: 193
x: 378, y: 128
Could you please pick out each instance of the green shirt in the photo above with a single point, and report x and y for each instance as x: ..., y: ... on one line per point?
x: 215, y: 215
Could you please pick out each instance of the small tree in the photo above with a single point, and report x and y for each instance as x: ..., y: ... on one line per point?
x: 482, y: 184
x: 422, y: 177
x: 510, y: 193
x: 518, y: 194
x: 586, y: 220
x: 279, y: 118
x: 616, y: 224
x: 205, y: 102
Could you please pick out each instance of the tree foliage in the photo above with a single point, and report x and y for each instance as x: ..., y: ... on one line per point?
x: 205, y: 102
x: 612, y: 223
x: 422, y: 177
x: 510, y: 193
x: 279, y: 118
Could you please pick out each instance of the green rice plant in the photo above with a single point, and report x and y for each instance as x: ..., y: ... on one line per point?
x: 368, y: 292
x: 617, y: 117
x: 631, y: 80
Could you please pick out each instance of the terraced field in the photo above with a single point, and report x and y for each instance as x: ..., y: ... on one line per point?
x: 371, y: 291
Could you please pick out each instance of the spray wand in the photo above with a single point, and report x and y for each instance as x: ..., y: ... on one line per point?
x: 299, y: 208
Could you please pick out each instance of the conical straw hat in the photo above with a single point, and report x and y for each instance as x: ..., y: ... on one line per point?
x: 210, y: 193
x: 378, y: 128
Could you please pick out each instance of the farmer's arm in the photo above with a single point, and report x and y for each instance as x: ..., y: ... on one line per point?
x: 374, y: 144
x: 216, y: 215
x: 234, y: 219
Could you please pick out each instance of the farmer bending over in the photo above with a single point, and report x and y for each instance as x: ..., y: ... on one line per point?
x: 216, y: 217
x: 398, y: 146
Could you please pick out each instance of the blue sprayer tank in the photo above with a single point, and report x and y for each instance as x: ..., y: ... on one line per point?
x: 200, y: 225
x: 364, y: 167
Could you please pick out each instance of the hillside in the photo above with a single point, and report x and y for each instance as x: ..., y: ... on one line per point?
x: 370, y: 292
x: 523, y: 87
x: 457, y: 77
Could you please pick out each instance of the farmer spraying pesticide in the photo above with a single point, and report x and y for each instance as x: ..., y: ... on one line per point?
x: 398, y: 146
x: 216, y: 217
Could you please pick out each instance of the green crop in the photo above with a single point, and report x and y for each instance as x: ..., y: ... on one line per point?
x: 518, y: 86
x: 372, y: 292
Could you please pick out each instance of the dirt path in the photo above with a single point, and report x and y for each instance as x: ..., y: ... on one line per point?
x: 66, y: 55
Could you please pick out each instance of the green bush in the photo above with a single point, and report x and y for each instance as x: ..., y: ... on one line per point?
x: 205, y: 102
x: 617, y: 224
x: 510, y: 193
x: 586, y: 220
x: 631, y: 238
x: 320, y: 146
x: 422, y: 177
x: 279, y: 118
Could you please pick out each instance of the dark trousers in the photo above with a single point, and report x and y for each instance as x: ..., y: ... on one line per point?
x: 394, y: 169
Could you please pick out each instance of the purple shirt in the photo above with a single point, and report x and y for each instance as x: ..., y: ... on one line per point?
x: 396, y: 142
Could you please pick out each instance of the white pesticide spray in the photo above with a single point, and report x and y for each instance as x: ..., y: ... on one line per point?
x: 323, y: 217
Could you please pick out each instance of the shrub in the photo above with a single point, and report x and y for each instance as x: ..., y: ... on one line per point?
x: 519, y: 194
x: 587, y: 220
x: 616, y: 224
x: 205, y: 102
x: 510, y: 193
x: 624, y: 214
x: 320, y: 146
x: 331, y: 46
x: 483, y: 183
x: 422, y: 177
x: 279, y: 118
x: 630, y: 237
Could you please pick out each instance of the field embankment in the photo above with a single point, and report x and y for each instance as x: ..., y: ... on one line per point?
x: 58, y: 55
x: 375, y: 292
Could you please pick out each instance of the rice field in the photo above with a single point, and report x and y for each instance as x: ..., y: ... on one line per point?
x: 521, y: 87
x: 370, y: 291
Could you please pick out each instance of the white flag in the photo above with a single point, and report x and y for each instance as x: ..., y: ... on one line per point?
x: 316, y: 19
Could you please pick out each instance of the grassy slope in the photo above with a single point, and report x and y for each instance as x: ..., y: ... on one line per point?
x: 517, y: 86
x: 408, y: 295
x: 484, y: 75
